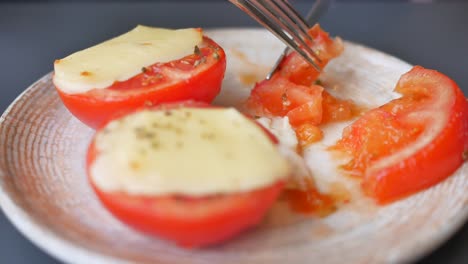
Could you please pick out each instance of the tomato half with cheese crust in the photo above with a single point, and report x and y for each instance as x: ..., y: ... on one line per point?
x: 189, y: 221
x: 194, y: 77
x: 410, y: 143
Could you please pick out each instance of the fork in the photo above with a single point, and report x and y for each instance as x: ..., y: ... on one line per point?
x: 287, y: 24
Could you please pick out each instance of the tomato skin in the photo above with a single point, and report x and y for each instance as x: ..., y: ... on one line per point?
x: 433, y: 162
x: 194, y: 222
x: 188, y: 221
x: 203, y: 86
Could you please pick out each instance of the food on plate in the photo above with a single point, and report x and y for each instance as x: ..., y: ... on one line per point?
x: 145, y: 66
x: 295, y: 91
x: 402, y: 147
x: 198, y: 174
x: 304, y: 197
x: 298, y: 70
x: 187, y: 172
x: 280, y: 97
x: 410, y: 143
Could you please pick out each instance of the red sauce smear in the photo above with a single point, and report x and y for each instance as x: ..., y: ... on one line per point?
x: 308, y: 200
x: 305, y: 198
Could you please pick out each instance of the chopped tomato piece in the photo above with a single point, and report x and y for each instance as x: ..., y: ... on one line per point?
x: 291, y: 92
x: 410, y: 143
x: 280, y: 97
x: 308, y: 134
x: 298, y: 70
x: 310, y: 112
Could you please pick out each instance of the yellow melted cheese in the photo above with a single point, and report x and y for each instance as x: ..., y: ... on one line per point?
x: 188, y: 151
x: 123, y: 57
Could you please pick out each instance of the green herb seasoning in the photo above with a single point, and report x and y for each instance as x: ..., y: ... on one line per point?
x: 197, y: 51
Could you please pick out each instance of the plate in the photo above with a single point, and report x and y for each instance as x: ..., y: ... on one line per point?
x: 46, y: 195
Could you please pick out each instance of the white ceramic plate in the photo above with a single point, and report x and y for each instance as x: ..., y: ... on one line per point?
x: 46, y: 196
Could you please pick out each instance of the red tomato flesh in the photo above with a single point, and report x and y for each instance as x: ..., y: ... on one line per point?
x: 189, y: 221
x: 410, y: 143
x: 336, y: 110
x: 196, y: 77
x: 291, y: 91
x: 298, y: 70
x: 308, y: 134
x: 280, y: 97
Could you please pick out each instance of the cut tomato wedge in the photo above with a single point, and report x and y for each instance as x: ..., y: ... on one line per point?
x: 194, y: 77
x: 280, y: 97
x: 189, y: 221
x: 410, y: 143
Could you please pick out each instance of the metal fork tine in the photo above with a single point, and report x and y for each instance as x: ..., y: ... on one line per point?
x: 295, y: 19
x: 318, y: 9
x: 303, y: 22
x: 279, y: 18
x: 273, y: 24
x: 293, y: 15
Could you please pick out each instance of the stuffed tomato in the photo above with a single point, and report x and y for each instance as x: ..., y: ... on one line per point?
x: 187, y: 172
x: 146, y: 66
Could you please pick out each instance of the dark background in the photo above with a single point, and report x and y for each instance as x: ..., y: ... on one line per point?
x: 368, y: 1
x: 33, y: 34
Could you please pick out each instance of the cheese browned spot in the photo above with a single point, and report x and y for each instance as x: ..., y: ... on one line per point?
x: 187, y: 151
x: 123, y: 57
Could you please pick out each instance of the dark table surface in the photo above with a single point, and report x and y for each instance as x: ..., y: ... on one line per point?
x: 33, y: 35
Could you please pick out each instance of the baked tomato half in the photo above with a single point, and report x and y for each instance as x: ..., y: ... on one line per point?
x: 410, y: 143
x: 194, y: 77
x: 188, y: 220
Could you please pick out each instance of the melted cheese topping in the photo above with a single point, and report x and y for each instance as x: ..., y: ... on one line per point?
x: 188, y: 151
x: 123, y: 57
